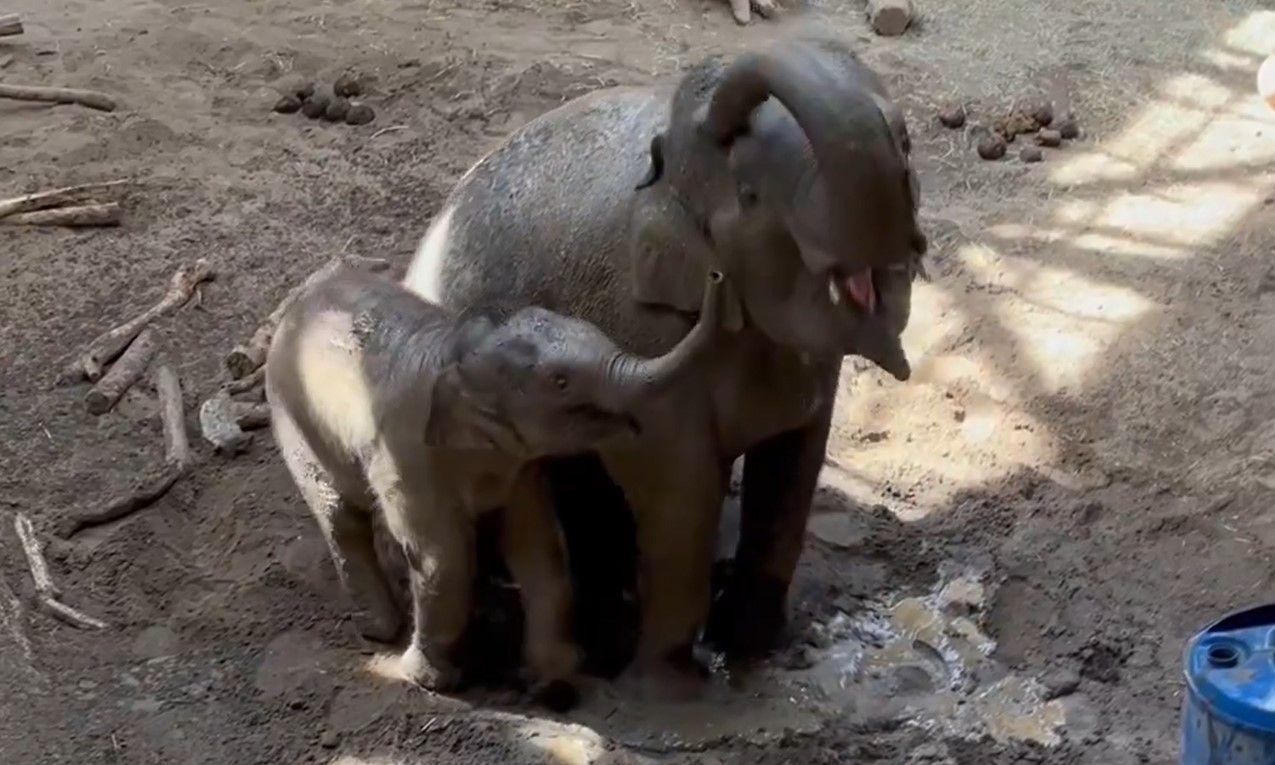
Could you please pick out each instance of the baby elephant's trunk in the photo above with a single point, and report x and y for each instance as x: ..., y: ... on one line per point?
x: 645, y: 378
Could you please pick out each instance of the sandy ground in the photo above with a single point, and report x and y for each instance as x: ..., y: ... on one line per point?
x: 1009, y: 550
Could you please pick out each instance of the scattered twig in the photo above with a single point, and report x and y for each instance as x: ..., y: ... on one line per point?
x: 245, y: 359
x: 90, y: 98
x: 10, y: 24
x: 46, y: 590
x: 151, y: 488
x: 5, y: 60
x: 54, y: 197
x: 389, y: 129
x: 123, y: 373
x: 81, y: 216
x: 110, y: 344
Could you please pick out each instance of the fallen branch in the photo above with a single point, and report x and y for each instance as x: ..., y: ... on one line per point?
x: 245, y: 359
x: 82, y: 216
x: 90, y: 98
x: 110, y: 344
x: 250, y: 416
x: 10, y: 24
x: 46, y: 591
x: 53, y: 197
x: 155, y: 485
x: 123, y: 373
x: 245, y: 383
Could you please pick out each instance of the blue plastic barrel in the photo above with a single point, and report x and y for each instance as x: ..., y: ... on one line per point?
x: 1228, y: 717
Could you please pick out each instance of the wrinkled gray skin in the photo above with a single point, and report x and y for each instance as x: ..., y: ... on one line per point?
x: 379, y: 399
x: 787, y: 170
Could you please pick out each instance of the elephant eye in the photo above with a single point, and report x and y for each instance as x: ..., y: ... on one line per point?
x: 747, y: 197
x: 560, y: 381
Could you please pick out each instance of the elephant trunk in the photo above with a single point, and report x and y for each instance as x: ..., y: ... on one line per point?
x: 642, y: 378
x: 833, y: 99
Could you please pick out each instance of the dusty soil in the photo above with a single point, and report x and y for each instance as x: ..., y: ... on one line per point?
x: 1087, y: 446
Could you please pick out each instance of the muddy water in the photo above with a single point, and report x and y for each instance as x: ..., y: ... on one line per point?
x: 918, y: 660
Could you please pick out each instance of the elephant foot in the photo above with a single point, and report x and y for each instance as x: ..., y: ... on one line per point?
x: 676, y: 678
x: 747, y: 618
x: 434, y: 676
x: 742, y: 10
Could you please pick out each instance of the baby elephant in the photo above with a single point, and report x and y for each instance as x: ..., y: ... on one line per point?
x: 379, y: 398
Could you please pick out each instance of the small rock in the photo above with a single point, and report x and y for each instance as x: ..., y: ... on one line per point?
x: 1059, y: 682
x: 346, y: 86
x: 992, y: 147
x: 337, y: 109
x: 1043, y: 114
x: 1031, y: 154
x: 287, y: 104
x: 359, y: 114
x: 1067, y: 127
x: 890, y: 17
x: 1049, y: 138
x: 329, y: 739
x: 952, y: 116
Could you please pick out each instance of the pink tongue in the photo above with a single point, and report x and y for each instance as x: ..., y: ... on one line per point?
x: 861, y: 290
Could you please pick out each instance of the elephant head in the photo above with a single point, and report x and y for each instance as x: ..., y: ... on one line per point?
x: 789, y: 171
x: 539, y: 383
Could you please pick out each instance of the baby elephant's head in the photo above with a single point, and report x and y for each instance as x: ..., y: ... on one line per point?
x: 539, y: 383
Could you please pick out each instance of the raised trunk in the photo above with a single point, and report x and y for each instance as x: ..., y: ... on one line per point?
x: 638, y: 377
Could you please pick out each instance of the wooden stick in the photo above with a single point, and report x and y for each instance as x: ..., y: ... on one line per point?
x: 156, y: 484
x: 173, y: 416
x: 81, y: 216
x: 250, y: 416
x: 110, y: 344
x: 123, y: 373
x: 10, y: 24
x: 245, y: 383
x: 90, y: 98
x: 245, y: 359
x: 54, y: 197
x: 46, y: 591
x: 35, y: 556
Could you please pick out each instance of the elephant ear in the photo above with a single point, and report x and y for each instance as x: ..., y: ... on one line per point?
x: 451, y: 422
x: 672, y: 257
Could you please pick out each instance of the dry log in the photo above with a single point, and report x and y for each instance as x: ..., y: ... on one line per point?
x: 890, y: 17
x: 90, y: 98
x: 110, y: 344
x: 245, y: 359
x: 148, y: 490
x: 54, y: 197
x: 46, y: 591
x: 82, y: 216
x: 10, y: 24
x: 123, y: 373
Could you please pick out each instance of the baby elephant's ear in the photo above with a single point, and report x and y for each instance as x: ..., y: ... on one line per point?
x: 451, y: 423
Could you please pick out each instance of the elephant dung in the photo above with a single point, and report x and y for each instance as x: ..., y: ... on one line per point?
x: 992, y: 146
x: 890, y: 18
x: 952, y: 116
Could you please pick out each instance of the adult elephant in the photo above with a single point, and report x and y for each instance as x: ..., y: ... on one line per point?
x: 787, y: 169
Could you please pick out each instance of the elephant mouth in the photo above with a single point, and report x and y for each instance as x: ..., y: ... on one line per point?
x: 856, y: 289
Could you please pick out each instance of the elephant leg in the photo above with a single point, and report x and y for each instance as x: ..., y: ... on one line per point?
x: 676, y: 511
x: 438, y: 540
x: 533, y: 550
x: 780, y: 476
x: 347, y: 529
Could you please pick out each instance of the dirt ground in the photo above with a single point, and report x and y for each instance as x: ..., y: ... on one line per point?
x: 1009, y: 551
